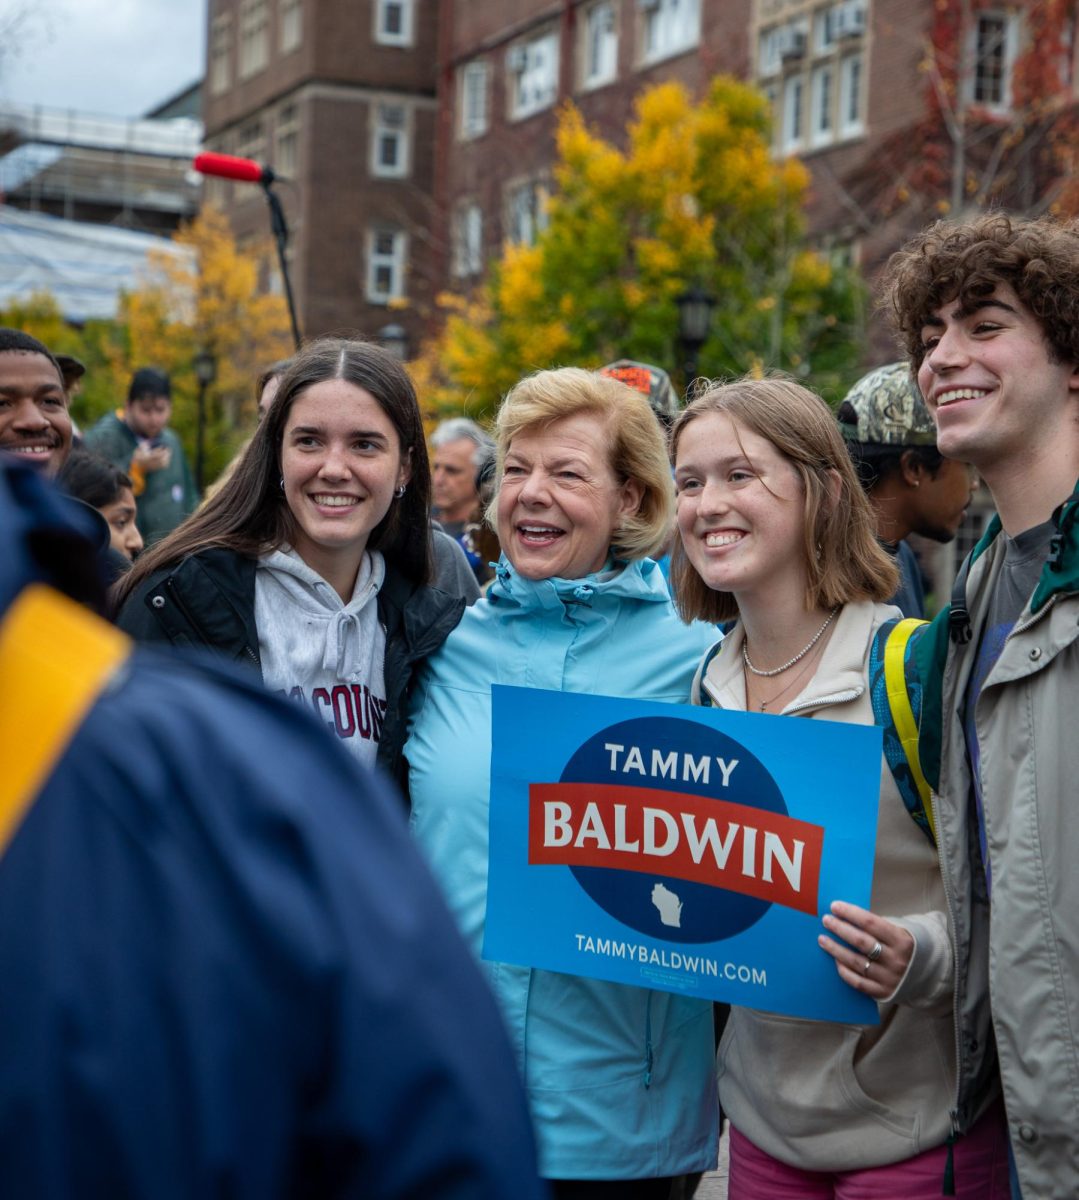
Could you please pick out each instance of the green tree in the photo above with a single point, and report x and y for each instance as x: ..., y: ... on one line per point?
x: 695, y: 198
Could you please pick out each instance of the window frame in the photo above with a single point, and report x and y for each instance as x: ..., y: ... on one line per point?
x: 406, y: 35
x: 289, y: 26
x: 254, y: 48
x: 396, y: 260
x: 676, y: 36
x: 595, y: 39
x: 469, y: 129
x: 466, y: 258
x: 526, y: 49
x: 401, y: 134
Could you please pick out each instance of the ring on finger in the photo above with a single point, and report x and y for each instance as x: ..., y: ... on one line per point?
x: 876, y: 952
x: 865, y: 969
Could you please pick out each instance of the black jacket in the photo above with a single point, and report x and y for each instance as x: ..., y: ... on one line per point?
x: 208, y: 599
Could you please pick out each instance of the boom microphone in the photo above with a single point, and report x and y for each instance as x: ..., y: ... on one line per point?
x: 228, y: 166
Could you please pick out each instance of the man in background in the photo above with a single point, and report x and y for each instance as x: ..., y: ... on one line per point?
x: 461, y: 452
x: 913, y: 488
x: 138, y: 440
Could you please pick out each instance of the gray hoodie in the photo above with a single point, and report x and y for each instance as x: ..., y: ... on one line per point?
x: 320, y: 651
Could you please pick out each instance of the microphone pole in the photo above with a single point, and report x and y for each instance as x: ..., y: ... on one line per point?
x: 246, y: 170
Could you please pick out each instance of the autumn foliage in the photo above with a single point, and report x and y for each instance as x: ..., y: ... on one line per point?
x: 696, y: 197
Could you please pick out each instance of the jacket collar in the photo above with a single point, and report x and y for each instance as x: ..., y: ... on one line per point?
x: 840, y: 674
x: 641, y: 580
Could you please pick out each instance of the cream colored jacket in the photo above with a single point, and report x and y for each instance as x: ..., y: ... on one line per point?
x: 825, y: 1096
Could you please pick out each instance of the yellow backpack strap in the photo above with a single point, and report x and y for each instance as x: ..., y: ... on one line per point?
x: 902, y: 714
x: 55, y: 658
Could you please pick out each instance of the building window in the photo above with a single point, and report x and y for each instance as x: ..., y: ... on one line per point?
x: 474, y: 92
x: 990, y: 82
x: 287, y: 141
x: 600, y: 46
x: 793, y: 103
x: 467, y: 256
x: 850, y: 96
x: 254, y: 37
x: 670, y: 26
x: 822, y: 117
x: 389, y: 141
x: 526, y: 211
x: 386, y: 249
x: 289, y: 25
x: 393, y: 22
x: 813, y: 71
x: 220, y: 54
x: 249, y: 141
x: 533, y: 73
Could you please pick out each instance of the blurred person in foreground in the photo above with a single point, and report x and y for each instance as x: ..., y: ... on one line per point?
x: 620, y: 1079
x: 138, y: 440
x: 225, y: 969
x: 912, y: 487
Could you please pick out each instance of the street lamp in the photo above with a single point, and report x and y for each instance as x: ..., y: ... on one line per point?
x: 695, y: 307
x: 394, y: 338
x: 205, y: 373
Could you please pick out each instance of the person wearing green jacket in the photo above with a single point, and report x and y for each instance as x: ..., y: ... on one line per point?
x: 137, y: 439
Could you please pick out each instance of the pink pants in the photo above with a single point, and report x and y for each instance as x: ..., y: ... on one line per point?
x: 980, y: 1164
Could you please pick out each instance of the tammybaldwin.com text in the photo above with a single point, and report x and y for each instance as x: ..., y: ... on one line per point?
x: 673, y: 960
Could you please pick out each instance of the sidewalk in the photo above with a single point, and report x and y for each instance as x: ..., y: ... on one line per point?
x: 714, y: 1185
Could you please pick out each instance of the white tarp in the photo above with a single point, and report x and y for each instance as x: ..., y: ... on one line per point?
x: 83, y: 266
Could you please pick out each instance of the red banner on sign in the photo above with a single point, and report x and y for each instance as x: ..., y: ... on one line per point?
x: 679, y: 836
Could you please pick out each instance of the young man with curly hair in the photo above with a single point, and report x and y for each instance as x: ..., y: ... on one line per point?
x: 989, y: 313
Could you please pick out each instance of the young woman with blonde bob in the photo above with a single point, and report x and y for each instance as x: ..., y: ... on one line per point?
x: 775, y: 533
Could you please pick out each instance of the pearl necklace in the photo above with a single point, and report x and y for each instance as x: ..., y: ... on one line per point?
x: 797, y: 658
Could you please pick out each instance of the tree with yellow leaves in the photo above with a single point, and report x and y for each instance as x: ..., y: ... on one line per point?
x: 695, y: 198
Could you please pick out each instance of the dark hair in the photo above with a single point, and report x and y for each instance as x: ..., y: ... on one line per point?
x: 874, y: 463
x: 92, y: 479
x: 1038, y: 260
x: 148, y: 381
x: 15, y: 341
x: 249, y: 514
x: 271, y: 372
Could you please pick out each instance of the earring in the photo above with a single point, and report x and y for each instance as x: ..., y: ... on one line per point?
x: 281, y: 483
x: 400, y: 491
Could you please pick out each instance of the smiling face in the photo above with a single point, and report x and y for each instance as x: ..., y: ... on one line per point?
x: 34, y: 421
x: 559, y: 502
x: 741, y: 509
x: 341, y: 462
x: 990, y: 382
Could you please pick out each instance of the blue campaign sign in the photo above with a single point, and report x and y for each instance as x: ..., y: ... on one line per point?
x: 688, y: 849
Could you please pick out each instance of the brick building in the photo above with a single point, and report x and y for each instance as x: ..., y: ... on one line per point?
x: 339, y: 97
x: 420, y: 132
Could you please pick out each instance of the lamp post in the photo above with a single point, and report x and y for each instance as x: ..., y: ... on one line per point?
x: 695, y: 307
x: 205, y: 373
x: 394, y: 338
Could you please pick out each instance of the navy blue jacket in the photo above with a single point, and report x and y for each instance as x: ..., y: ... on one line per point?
x: 225, y: 971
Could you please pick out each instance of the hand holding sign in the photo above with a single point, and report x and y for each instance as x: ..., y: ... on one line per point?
x: 874, y: 973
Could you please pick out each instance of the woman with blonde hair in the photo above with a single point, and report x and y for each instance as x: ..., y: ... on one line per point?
x: 620, y: 1080
x: 775, y: 533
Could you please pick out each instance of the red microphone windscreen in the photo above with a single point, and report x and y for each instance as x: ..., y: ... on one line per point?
x: 228, y: 166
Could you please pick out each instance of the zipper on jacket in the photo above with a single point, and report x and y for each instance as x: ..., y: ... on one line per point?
x: 824, y: 701
x: 648, y: 1059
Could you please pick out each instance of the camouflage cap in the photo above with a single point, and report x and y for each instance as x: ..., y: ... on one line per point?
x: 885, y: 408
x: 652, y: 382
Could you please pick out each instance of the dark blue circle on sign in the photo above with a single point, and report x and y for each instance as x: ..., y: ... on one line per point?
x: 641, y: 900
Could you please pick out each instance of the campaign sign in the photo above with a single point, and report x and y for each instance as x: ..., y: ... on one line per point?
x: 687, y: 849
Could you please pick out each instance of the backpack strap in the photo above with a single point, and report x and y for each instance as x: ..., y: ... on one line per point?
x: 55, y: 659
x: 897, y: 702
